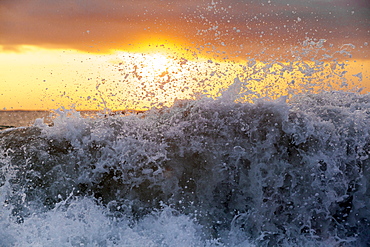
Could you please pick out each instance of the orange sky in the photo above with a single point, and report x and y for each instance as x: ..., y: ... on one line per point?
x: 55, y: 52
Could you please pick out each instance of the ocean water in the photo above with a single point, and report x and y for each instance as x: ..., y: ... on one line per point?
x: 10, y: 119
x: 205, y: 172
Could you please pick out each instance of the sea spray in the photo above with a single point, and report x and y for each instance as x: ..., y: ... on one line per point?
x: 221, y: 173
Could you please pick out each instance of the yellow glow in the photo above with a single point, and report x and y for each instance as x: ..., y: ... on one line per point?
x: 45, y: 79
x: 156, y: 65
x: 147, y: 80
x: 36, y: 78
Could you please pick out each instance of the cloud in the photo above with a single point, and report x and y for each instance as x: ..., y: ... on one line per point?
x: 93, y: 25
x: 79, y: 23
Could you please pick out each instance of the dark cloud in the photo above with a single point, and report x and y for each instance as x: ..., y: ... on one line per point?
x: 113, y: 24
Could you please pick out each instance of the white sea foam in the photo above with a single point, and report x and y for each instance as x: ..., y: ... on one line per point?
x: 83, y: 223
x: 201, y: 173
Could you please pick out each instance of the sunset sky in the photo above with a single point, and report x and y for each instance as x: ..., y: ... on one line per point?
x: 116, y: 53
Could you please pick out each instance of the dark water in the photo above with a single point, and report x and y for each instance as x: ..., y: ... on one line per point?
x: 17, y: 118
x: 201, y: 173
x: 10, y: 119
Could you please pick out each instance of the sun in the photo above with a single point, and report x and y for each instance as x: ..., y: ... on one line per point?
x: 144, y: 80
x: 149, y: 67
x: 157, y: 65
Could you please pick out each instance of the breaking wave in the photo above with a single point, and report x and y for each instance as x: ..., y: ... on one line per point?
x: 206, y: 172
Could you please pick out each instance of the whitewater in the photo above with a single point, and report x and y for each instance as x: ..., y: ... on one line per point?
x: 205, y: 172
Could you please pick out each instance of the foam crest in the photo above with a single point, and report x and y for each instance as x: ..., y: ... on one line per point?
x: 84, y: 223
x: 200, y: 173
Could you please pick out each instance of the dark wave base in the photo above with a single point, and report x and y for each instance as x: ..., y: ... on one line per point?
x: 5, y: 127
x: 271, y: 173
